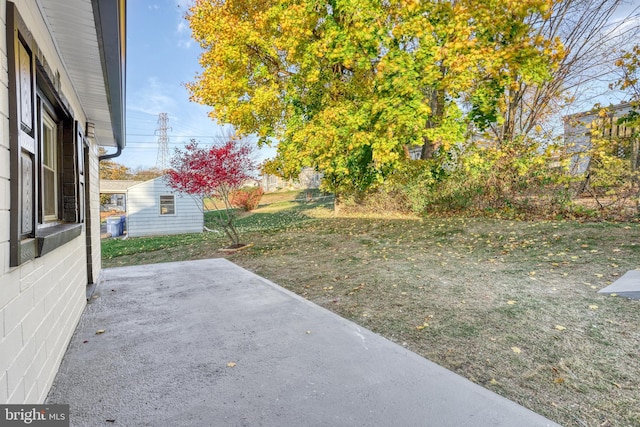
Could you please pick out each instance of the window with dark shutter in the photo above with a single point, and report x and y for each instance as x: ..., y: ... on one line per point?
x: 46, y: 150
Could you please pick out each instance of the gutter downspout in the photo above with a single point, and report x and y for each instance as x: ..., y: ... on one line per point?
x: 112, y: 155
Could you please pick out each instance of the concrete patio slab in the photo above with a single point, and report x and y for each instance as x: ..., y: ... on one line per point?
x: 207, y: 343
x: 627, y: 286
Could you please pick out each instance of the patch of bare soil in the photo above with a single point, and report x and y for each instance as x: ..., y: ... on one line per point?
x: 620, y: 209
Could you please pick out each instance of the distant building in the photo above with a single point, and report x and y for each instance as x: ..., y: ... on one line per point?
x: 117, y: 192
x: 579, y: 130
x: 308, y: 178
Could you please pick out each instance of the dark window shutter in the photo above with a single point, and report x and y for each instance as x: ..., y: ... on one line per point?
x: 80, y: 142
x: 22, y: 137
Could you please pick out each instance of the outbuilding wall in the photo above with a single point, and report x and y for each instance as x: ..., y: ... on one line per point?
x: 143, y: 211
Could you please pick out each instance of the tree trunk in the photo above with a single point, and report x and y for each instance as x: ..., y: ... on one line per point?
x: 336, y: 204
x: 429, y: 146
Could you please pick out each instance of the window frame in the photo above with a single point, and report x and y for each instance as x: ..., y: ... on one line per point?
x: 47, y: 120
x: 173, y: 203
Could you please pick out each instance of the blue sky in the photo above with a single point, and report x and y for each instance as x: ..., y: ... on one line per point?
x: 161, y: 57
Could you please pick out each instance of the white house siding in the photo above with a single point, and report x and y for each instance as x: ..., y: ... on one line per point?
x: 143, y: 211
x: 41, y: 305
x: 42, y: 299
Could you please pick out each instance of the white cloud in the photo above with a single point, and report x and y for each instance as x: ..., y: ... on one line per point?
x: 184, y: 35
x: 182, y: 31
x: 153, y: 98
x: 625, y: 23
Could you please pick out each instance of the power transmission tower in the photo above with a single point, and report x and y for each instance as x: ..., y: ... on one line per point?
x: 163, y: 142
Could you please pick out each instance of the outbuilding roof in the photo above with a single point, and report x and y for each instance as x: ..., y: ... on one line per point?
x: 116, y: 186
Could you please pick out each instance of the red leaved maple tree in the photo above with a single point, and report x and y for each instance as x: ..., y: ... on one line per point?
x: 213, y: 173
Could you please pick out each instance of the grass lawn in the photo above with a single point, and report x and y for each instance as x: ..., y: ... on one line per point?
x: 510, y: 305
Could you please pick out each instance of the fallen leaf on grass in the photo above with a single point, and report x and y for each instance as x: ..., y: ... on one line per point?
x: 421, y: 327
x: 516, y: 350
x: 512, y: 302
x: 558, y: 380
x: 614, y: 295
x: 593, y: 307
x: 560, y: 327
x: 231, y: 364
x: 493, y: 381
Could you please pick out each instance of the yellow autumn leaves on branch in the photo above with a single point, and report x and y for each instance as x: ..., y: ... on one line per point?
x: 345, y: 86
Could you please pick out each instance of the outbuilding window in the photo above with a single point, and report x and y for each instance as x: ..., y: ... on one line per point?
x: 167, y: 204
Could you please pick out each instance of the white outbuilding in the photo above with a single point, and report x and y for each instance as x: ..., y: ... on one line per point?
x: 154, y: 208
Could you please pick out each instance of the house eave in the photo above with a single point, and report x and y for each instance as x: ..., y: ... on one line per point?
x: 110, y: 19
x: 80, y: 28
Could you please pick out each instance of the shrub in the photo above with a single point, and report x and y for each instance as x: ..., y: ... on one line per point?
x: 247, y: 199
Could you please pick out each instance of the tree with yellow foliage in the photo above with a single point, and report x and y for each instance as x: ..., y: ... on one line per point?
x: 346, y: 86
